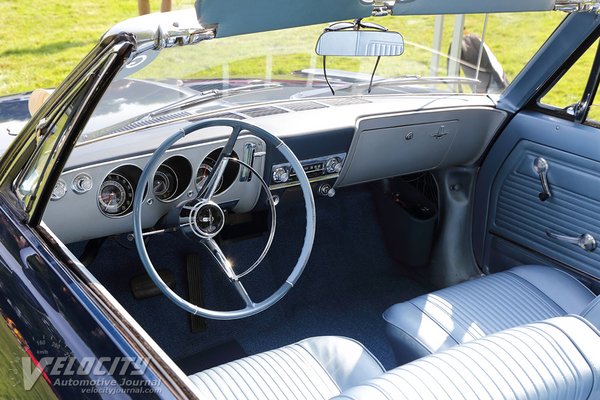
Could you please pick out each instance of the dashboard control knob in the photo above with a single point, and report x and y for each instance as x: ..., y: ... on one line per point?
x: 59, y: 191
x: 82, y: 183
x: 281, y: 175
x: 333, y: 165
x: 275, y: 200
x: 326, y: 190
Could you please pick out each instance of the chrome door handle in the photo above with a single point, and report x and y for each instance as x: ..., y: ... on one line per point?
x: 541, y: 166
x: 585, y: 240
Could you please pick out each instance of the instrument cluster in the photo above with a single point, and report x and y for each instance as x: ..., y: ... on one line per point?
x: 116, y: 191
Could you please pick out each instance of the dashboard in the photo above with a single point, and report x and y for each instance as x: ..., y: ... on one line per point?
x: 339, y: 144
x: 96, y: 201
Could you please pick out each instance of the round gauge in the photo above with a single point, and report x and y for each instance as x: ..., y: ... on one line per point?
x: 165, y: 183
x: 82, y: 183
x: 59, y: 191
x: 115, y: 196
x: 203, y: 173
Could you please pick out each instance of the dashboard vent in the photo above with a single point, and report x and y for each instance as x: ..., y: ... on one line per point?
x: 205, y: 87
x: 263, y: 111
x: 344, y: 101
x: 303, y: 106
x: 170, y: 117
x: 229, y: 115
x: 151, y: 121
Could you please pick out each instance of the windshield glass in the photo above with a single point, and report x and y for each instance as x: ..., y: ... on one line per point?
x: 478, y: 54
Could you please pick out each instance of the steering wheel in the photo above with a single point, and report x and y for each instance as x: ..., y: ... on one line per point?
x: 202, y: 218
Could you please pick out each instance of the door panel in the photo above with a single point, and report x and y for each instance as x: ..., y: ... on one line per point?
x: 511, y: 221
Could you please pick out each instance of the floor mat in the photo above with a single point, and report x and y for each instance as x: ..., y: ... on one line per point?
x: 349, y: 281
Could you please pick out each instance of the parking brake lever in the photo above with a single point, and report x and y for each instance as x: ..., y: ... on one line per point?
x: 540, y: 165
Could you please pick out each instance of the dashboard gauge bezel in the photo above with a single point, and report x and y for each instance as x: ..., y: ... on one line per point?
x: 172, y: 183
x: 127, y: 192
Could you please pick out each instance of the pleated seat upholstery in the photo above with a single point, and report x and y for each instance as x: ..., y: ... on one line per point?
x: 557, y: 359
x: 313, y: 369
x: 471, y: 310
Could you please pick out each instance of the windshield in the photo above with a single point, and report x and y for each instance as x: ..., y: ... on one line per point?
x: 477, y: 54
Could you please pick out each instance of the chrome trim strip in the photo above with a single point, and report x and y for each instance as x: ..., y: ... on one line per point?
x: 311, y: 180
x: 310, y: 161
x: 570, y: 6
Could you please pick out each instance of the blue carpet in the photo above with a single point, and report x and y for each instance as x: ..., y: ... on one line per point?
x: 349, y: 281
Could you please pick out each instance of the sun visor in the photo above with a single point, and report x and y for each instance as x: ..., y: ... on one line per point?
x: 426, y: 7
x: 236, y: 17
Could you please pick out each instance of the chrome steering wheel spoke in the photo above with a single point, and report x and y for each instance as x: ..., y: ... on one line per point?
x: 226, y: 266
x: 212, y: 182
x: 220, y: 258
x: 213, y: 179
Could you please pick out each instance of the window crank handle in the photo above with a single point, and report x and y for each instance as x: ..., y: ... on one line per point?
x: 586, y: 241
x: 541, y: 166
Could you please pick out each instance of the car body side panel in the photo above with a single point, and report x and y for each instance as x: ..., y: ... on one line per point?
x: 510, y: 219
x: 56, y: 324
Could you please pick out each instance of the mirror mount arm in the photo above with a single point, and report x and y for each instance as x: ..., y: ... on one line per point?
x: 325, y: 75
x: 373, y: 74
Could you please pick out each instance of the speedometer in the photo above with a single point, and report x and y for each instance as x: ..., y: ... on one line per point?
x: 115, y: 196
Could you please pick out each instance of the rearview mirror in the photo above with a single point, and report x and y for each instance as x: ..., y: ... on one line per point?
x: 360, y: 43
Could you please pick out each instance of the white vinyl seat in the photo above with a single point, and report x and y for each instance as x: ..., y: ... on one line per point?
x: 315, y: 368
x: 556, y: 359
x: 480, y: 307
x: 552, y: 359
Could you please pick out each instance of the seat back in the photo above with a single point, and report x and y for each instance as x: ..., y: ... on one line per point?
x: 557, y: 358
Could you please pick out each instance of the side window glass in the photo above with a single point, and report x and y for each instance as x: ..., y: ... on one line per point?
x: 30, y: 179
x: 28, y: 183
x: 568, y: 91
x: 593, y: 116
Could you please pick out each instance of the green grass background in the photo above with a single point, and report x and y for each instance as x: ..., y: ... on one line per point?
x: 11, y: 378
x: 42, y: 40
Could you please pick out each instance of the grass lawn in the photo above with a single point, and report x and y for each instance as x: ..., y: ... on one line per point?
x: 11, y: 380
x: 42, y: 40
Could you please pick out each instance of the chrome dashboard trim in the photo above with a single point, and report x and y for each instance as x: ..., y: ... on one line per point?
x: 311, y: 180
x: 315, y: 160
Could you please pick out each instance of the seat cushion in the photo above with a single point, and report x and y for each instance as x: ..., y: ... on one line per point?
x: 477, y: 308
x: 315, y: 368
x: 554, y: 359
